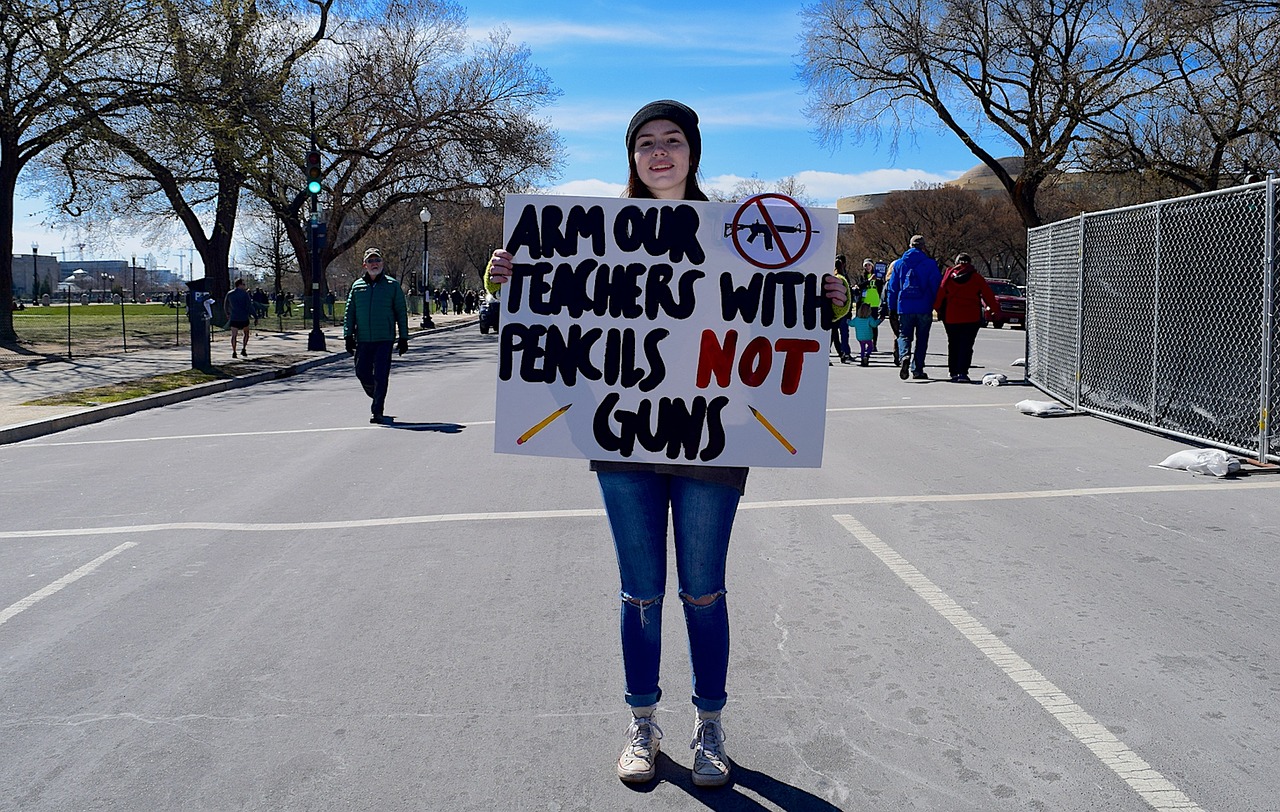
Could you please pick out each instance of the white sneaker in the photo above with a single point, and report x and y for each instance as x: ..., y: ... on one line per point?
x: 710, y: 762
x: 639, y: 760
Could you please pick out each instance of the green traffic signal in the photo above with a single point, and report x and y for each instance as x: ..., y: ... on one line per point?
x: 313, y: 172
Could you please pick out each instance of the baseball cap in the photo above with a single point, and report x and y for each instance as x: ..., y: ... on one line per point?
x: 372, y: 252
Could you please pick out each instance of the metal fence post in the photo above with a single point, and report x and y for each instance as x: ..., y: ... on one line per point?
x: 1155, y: 317
x: 1075, y: 398
x: 1268, y: 321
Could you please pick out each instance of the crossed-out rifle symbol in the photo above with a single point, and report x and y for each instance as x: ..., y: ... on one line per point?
x: 759, y: 229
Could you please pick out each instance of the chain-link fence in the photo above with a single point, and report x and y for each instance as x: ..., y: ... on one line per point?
x: 1163, y: 316
x: 80, y: 328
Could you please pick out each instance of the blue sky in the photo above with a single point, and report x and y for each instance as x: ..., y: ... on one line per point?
x: 733, y: 62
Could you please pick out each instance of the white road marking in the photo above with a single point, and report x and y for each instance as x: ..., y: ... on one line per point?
x: 174, y: 438
x: 906, y: 407
x: 69, y: 578
x: 442, y: 518
x: 1154, y: 788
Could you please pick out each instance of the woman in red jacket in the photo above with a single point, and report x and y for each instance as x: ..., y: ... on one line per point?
x: 959, y: 307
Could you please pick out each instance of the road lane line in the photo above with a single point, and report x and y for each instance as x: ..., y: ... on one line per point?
x: 172, y: 438
x: 841, y: 501
x: 1142, y: 778
x: 907, y: 407
x: 69, y: 578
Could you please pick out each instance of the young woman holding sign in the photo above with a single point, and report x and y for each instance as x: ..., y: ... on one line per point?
x: 664, y: 148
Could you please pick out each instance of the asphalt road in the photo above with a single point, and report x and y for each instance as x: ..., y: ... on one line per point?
x: 258, y: 601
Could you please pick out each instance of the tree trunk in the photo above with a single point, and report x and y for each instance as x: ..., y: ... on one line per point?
x: 8, y: 187
x: 1023, y: 195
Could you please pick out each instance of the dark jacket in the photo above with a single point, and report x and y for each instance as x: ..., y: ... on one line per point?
x: 374, y: 309
x: 958, y: 297
x: 238, y: 305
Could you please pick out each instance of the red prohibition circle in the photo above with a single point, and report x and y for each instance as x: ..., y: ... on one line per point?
x: 757, y: 201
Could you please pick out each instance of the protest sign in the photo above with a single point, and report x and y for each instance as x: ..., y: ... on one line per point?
x: 679, y: 332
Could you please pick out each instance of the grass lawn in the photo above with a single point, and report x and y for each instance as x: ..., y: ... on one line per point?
x: 106, y: 328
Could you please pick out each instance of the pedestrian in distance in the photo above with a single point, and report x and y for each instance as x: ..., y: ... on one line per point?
x: 260, y: 304
x: 239, y: 307
x: 959, y: 306
x: 865, y: 323
x: 664, y: 148
x: 840, y: 314
x: 375, y: 310
x: 871, y: 297
x: 910, y: 294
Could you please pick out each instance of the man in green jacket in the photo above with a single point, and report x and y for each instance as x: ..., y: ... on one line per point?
x: 375, y: 308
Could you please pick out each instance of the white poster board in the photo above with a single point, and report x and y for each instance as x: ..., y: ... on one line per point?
x: 676, y: 332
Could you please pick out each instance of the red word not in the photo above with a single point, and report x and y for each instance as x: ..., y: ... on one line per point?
x: 716, y: 359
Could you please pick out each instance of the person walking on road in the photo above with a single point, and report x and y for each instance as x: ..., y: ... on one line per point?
x: 910, y: 294
x: 664, y: 148
x: 959, y: 306
x: 375, y: 309
x: 865, y: 323
x: 239, y: 308
x: 891, y: 315
x: 840, y: 315
x: 871, y: 298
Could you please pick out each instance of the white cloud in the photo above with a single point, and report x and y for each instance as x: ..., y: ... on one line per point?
x: 827, y: 187
x: 756, y: 38
x: 588, y: 188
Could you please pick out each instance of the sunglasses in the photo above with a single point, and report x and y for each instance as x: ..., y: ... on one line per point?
x: 373, y: 260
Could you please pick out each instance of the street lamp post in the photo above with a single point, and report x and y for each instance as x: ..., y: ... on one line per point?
x: 133, y: 269
x: 427, y: 324
x: 35, y: 272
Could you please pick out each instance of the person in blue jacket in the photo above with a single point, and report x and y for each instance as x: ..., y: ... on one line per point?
x: 910, y: 294
x: 375, y: 309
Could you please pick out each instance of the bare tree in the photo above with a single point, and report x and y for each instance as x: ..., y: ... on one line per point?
x: 210, y: 122
x: 60, y: 65
x: 754, y: 185
x: 417, y: 117
x: 1212, y: 117
x: 1032, y: 71
x: 263, y: 243
x: 952, y: 219
x: 466, y: 237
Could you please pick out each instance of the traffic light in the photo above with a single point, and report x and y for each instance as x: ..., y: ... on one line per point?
x: 313, y: 172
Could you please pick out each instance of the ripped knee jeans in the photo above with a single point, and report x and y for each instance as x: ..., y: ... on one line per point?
x: 702, y: 513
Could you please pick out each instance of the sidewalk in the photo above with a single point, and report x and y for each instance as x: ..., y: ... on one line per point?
x: 272, y: 355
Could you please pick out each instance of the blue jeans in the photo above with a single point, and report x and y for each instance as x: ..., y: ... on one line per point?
x: 373, y: 368
x: 917, y: 325
x: 702, y: 517
x: 840, y: 337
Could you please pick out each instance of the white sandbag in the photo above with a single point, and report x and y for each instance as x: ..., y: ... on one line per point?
x: 995, y: 379
x: 1021, y: 362
x: 1211, y: 461
x: 1041, y: 408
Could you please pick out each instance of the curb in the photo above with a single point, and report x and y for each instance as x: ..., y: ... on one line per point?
x: 97, y: 414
